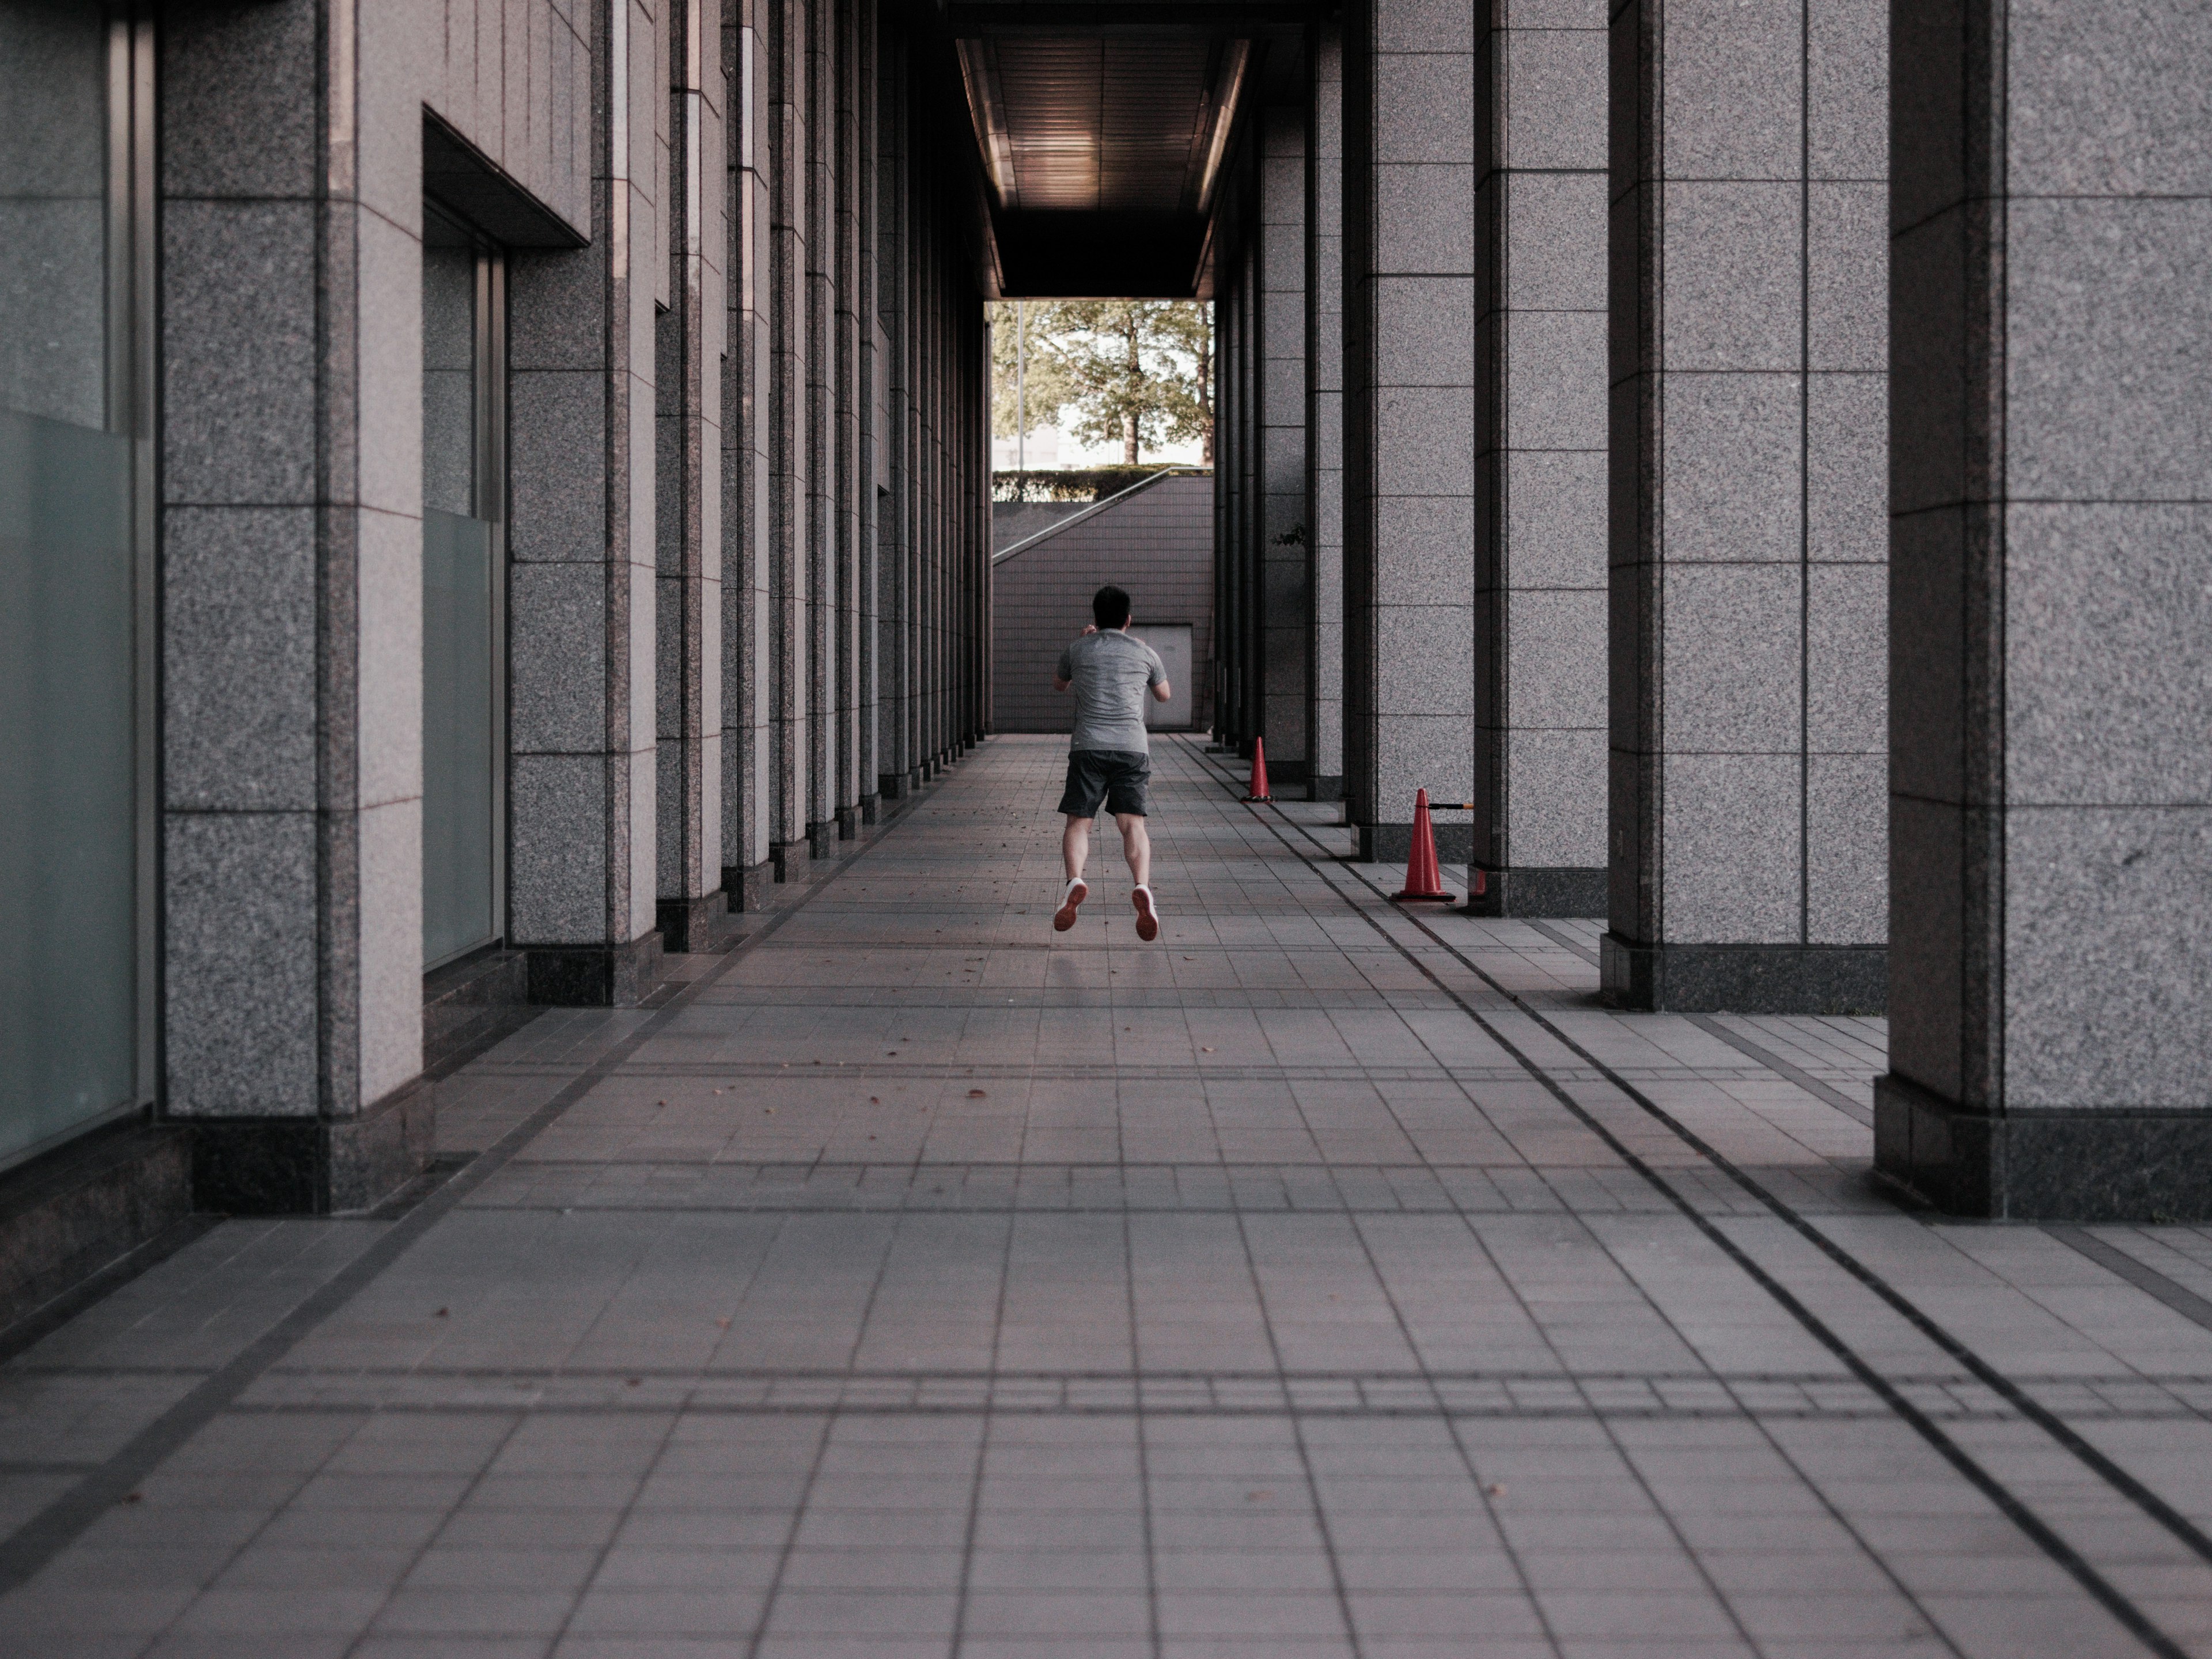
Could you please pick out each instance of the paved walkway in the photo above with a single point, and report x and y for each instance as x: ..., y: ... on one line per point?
x: 1323, y: 1279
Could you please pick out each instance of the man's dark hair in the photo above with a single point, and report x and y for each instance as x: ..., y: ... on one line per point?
x: 1110, y: 607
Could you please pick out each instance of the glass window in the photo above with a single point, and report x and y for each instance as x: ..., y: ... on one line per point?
x: 464, y: 588
x: 75, y: 751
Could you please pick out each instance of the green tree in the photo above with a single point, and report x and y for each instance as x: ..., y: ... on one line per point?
x: 1029, y: 387
x: 1189, y: 331
x: 1130, y: 371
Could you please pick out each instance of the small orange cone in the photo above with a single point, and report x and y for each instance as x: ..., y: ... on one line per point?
x: 1424, y: 881
x: 1259, y: 789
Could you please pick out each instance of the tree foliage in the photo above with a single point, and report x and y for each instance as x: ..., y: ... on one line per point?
x: 1131, y: 371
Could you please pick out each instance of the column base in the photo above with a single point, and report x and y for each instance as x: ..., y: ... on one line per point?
x: 848, y: 822
x: 791, y: 860
x: 871, y: 810
x: 821, y: 838
x: 1392, y: 843
x: 1566, y: 891
x: 84, y: 1208
x: 747, y: 886
x: 312, y: 1166
x: 693, y: 925
x: 469, y: 1004
x: 1325, y: 788
x: 2089, y: 1164
x: 595, y: 976
x: 1744, y: 979
x: 893, y: 785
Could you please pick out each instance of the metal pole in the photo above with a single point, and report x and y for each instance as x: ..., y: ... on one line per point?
x: 1021, y: 393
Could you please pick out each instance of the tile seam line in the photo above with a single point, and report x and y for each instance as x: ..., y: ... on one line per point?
x: 1781, y: 1067
x: 2045, y: 1538
x: 31, y: 1546
x: 2150, y: 1280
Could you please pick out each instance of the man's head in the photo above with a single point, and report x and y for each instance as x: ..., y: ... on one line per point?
x: 1109, y: 607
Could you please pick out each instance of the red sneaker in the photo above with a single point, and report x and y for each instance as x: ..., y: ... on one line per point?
x: 1148, y: 921
x: 1064, y: 918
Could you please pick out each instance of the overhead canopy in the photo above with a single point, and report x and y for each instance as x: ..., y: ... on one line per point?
x: 1102, y: 129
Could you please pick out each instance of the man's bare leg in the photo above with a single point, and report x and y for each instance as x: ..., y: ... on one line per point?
x: 1075, y: 845
x: 1137, y: 847
x: 1075, y: 853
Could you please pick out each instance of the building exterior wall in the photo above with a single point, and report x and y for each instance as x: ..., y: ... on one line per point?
x: 747, y: 594
x: 1158, y: 543
x: 724, y: 292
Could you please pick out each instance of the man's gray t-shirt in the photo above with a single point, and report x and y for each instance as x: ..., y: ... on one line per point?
x: 1113, y: 672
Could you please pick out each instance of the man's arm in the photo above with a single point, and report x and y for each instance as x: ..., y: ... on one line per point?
x: 1063, y: 675
x: 1162, y: 692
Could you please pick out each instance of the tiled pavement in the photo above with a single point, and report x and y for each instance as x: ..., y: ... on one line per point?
x: 1325, y: 1279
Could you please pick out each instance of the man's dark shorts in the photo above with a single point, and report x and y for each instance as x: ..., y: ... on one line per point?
x: 1116, y: 776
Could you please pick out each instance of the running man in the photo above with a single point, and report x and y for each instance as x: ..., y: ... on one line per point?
x: 1109, y: 760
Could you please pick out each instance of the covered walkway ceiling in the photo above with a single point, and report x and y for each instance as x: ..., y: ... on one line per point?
x: 1102, y: 130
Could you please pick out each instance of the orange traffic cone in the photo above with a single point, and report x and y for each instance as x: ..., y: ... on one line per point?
x: 1423, y: 879
x: 1259, y: 789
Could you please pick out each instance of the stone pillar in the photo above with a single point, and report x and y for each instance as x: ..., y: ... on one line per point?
x: 818, y: 427
x: 1229, y: 644
x: 1409, y: 419
x: 581, y: 799
x: 791, y: 510
x: 874, y: 411
x: 1247, y: 483
x: 930, y: 321
x: 845, y: 400
x: 2050, y: 852
x: 1325, y: 415
x: 1224, y: 539
x: 748, y: 608
x: 688, y: 386
x: 292, y: 179
x: 1746, y: 817
x: 1539, y: 589
x: 1285, y: 519
x: 894, y: 284
x: 290, y: 504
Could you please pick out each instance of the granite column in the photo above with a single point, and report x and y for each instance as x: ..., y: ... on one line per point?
x: 688, y: 386
x: 1540, y: 584
x: 2050, y: 786
x: 1747, y: 815
x: 1324, y: 296
x: 748, y: 607
x: 1410, y: 73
